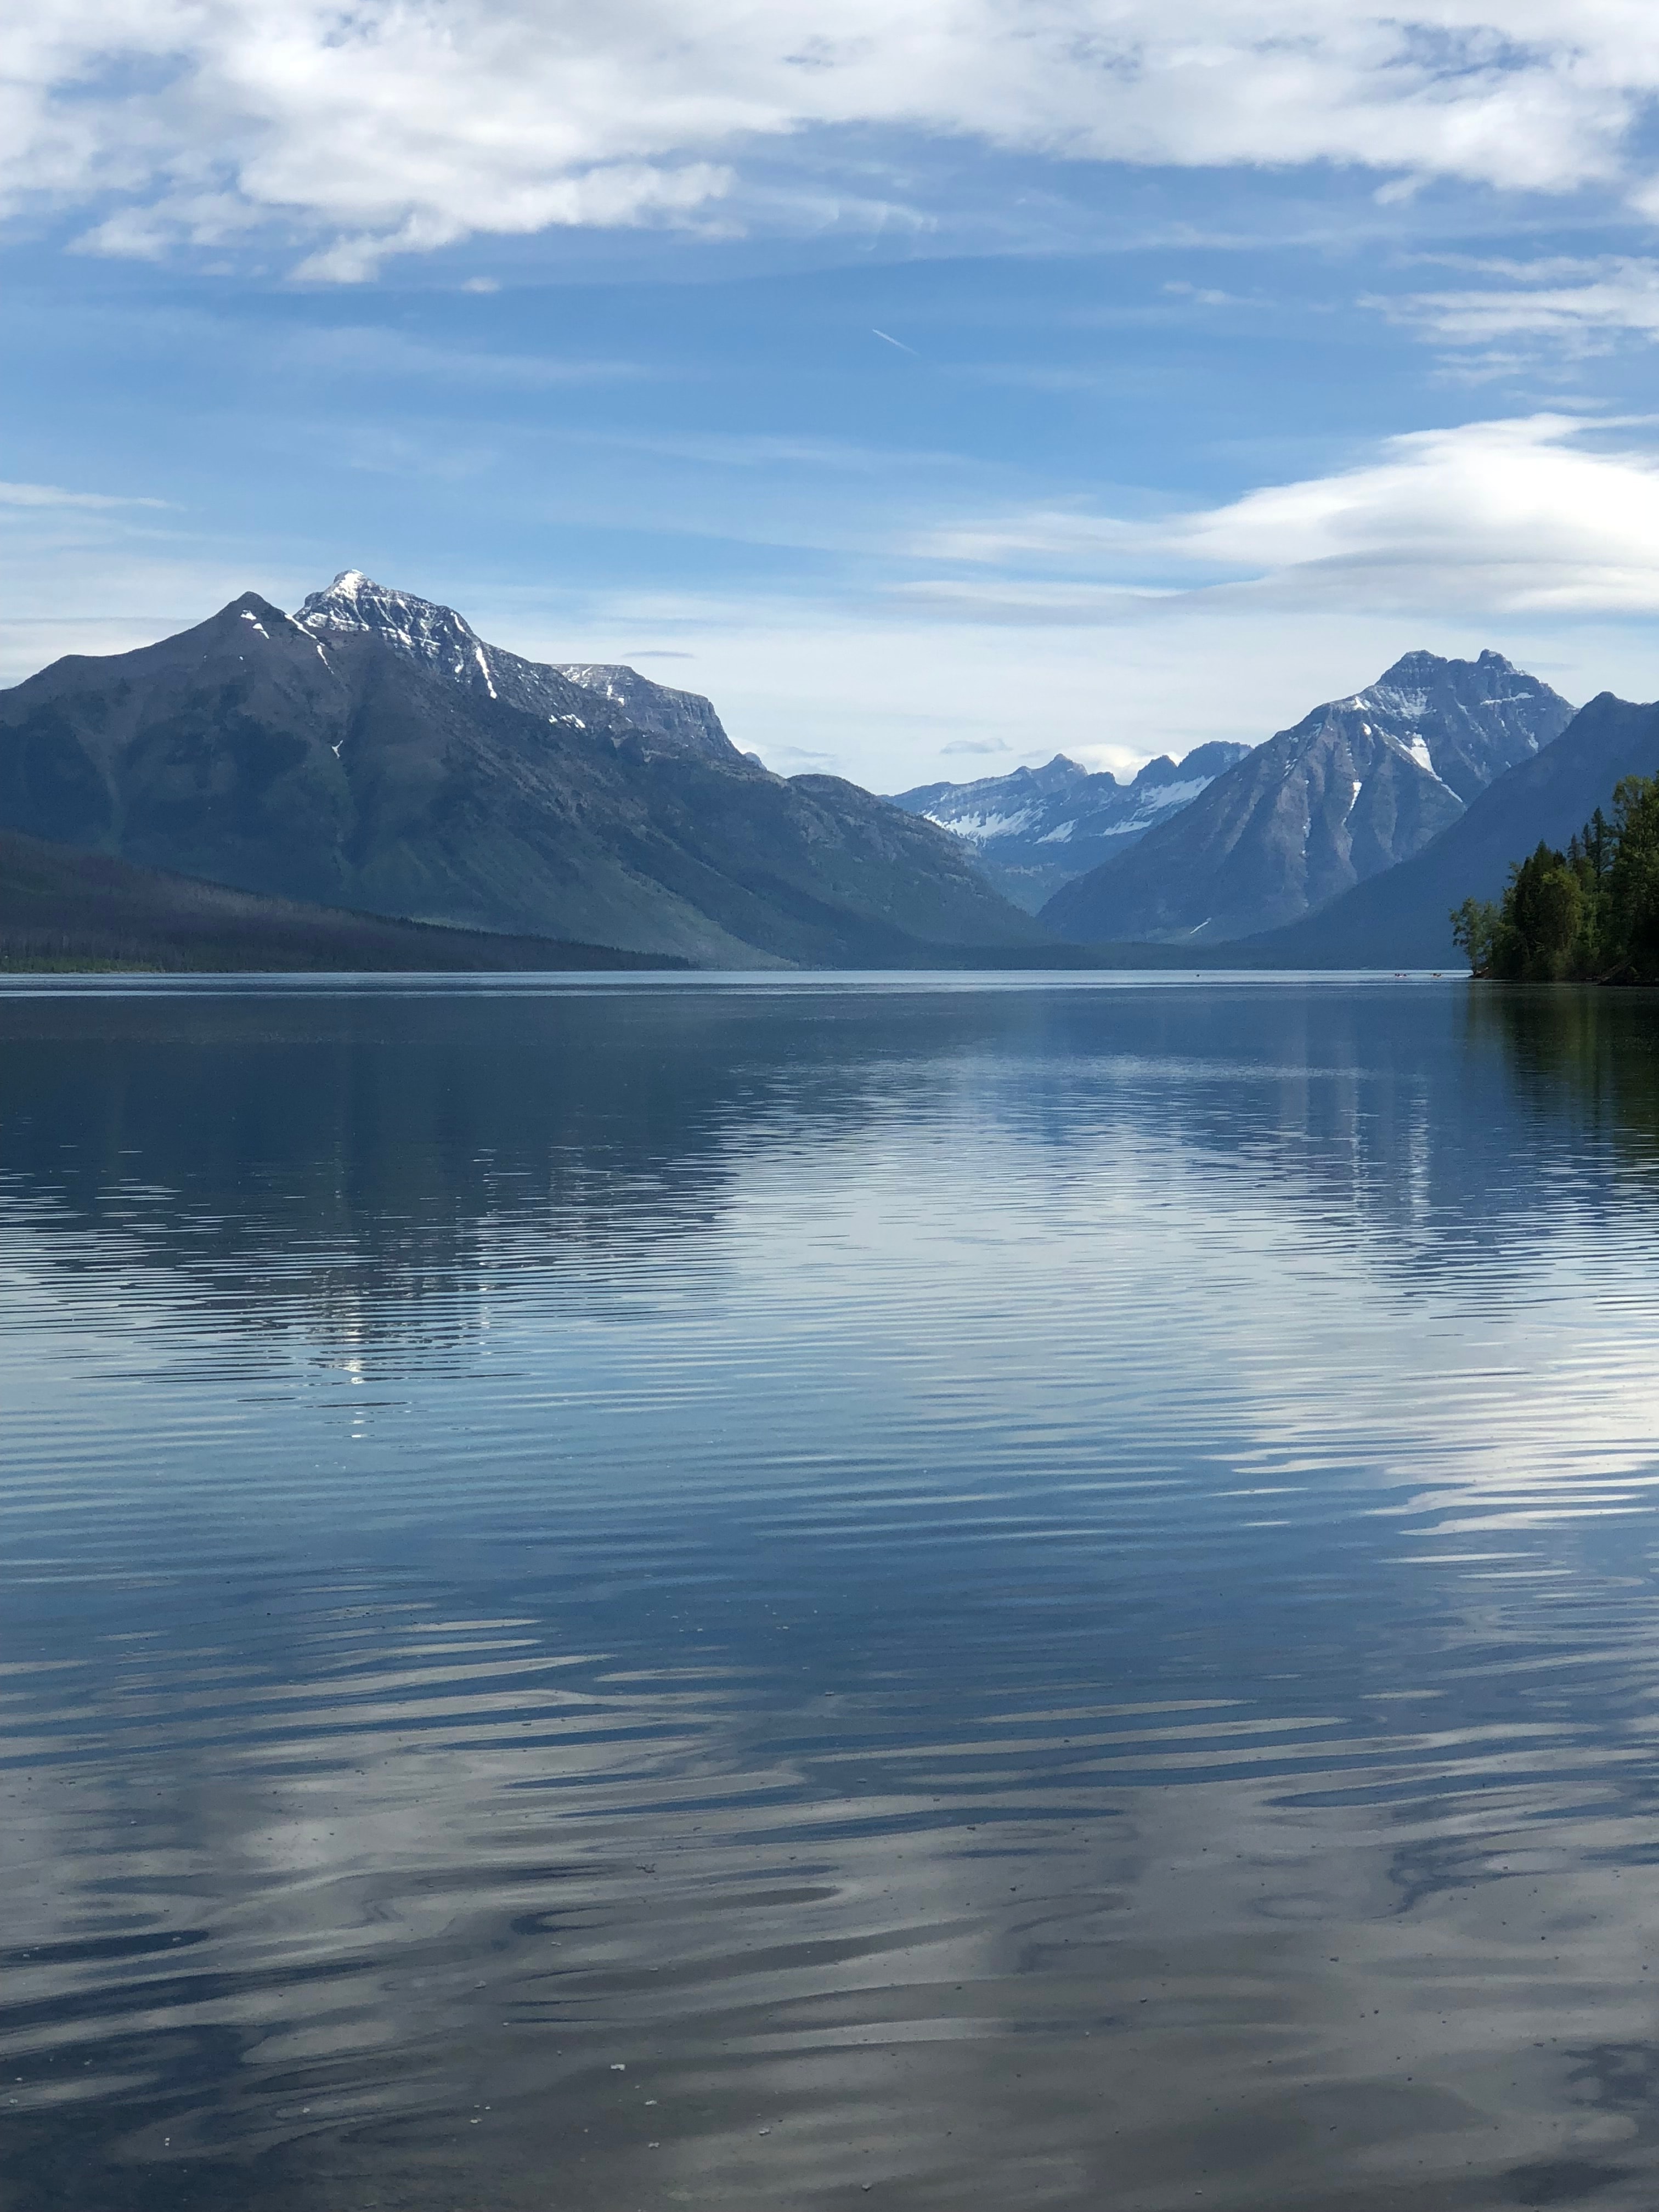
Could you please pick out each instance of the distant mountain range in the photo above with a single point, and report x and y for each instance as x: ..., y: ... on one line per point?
x: 372, y: 753
x: 1037, y: 828
x: 1357, y: 786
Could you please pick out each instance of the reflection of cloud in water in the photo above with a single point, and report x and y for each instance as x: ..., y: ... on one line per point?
x: 442, y: 1881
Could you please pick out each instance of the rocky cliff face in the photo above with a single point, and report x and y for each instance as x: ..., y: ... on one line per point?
x: 1039, y: 828
x: 1355, y: 788
x: 372, y: 752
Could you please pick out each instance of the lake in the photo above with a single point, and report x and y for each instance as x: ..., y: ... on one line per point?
x: 943, y: 1593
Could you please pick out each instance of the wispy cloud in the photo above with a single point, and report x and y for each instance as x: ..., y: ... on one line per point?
x: 49, y: 495
x: 771, y: 450
x: 1573, y: 307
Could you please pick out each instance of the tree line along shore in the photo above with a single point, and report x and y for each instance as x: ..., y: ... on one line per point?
x: 1589, y: 914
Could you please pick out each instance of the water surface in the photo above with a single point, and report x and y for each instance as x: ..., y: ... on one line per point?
x: 943, y: 1593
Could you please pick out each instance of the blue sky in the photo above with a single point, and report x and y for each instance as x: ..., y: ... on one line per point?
x: 935, y: 385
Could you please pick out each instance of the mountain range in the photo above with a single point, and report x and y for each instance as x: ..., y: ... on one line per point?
x: 1354, y: 788
x: 372, y: 753
x: 368, y: 782
x: 1037, y: 828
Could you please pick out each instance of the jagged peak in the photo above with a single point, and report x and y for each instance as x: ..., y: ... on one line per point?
x: 1414, y: 666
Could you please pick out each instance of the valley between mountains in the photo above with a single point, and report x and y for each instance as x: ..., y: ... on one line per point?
x: 366, y: 782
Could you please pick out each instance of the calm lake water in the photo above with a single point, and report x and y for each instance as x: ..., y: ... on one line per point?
x: 942, y: 1593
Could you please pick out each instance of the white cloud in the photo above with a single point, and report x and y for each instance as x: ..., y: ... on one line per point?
x: 1509, y: 517
x: 400, y: 125
x: 1520, y: 517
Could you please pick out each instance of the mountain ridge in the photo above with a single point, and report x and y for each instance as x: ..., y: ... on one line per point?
x: 434, y: 636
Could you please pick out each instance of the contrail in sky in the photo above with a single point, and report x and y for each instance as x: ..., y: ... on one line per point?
x: 899, y: 342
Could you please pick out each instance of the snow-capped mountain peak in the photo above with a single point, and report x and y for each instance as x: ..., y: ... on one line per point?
x: 419, y: 627
x: 606, y: 702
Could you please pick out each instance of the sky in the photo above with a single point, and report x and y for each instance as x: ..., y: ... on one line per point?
x: 936, y: 386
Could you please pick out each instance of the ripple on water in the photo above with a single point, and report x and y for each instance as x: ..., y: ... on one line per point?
x: 706, y: 1596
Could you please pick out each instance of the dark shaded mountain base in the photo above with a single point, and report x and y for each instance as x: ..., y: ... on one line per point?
x: 61, y: 909
x: 64, y: 908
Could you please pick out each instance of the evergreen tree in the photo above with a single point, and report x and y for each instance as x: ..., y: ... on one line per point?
x: 1590, y: 913
x: 1630, y: 920
x: 1542, y: 921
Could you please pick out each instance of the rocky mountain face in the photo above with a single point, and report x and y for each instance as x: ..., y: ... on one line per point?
x: 371, y: 752
x: 1354, y: 788
x: 683, y: 720
x: 1039, y: 828
x: 1401, y: 920
x: 611, y: 701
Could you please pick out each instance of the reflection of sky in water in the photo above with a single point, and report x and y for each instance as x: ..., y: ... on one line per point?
x: 1041, y: 1592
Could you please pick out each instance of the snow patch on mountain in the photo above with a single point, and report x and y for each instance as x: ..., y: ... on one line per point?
x: 1035, y: 829
x: 980, y: 829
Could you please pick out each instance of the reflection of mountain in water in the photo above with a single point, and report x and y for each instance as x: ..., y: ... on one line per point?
x: 365, y: 1153
x: 360, y: 1152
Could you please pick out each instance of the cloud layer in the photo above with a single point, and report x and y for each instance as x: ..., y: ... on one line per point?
x: 402, y: 125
